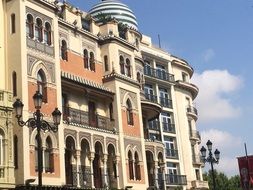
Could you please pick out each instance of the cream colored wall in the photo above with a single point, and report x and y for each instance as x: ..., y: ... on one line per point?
x: 2, y: 45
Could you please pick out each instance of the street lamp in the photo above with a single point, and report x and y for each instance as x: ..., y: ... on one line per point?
x: 38, y: 122
x: 210, y: 158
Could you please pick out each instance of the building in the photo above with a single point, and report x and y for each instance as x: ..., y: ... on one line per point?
x: 6, y: 97
x: 128, y: 119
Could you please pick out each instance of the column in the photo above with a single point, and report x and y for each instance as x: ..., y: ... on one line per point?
x: 92, y: 156
x: 78, y: 163
x: 117, y: 169
x: 105, y: 170
x: 156, y: 174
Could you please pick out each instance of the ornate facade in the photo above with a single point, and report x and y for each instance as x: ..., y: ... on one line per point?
x: 128, y: 119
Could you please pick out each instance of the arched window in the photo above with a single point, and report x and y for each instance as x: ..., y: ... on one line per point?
x: 14, y: 83
x: 130, y: 120
x: 122, y: 65
x: 138, y: 77
x: 130, y: 165
x: 13, y: 23
x: 38, y: 30
x: 85, y: 59
x: 137, y: 167
x: 48, y: 156
x: 92, y: 61
x: 106, y: 63
x: 41, y: 85
x: 15, y: 147
x: 48, y: 34
x: 128, y: 68
x: 137, y: 42
x: 29, y: 26
x: 64, y: 52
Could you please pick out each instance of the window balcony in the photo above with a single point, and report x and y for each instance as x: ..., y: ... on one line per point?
x: 151, y: 98
x: 194, y: 135
x: 165, y: 102
x: 159, y: 74
x: 200, y: 184
x: 192, y: 112
x: 196, y: 160
x: 192, y: 88
x: 76, y: 116
x: 154, y: 125
x: 172, y: 153
x: 172, y: 179
x: 169, y: 128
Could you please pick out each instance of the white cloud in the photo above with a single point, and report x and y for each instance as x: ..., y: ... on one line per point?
x: 208, y: 55
x: 221, y: 139
x: 226, y: 144
x: 211, y: 103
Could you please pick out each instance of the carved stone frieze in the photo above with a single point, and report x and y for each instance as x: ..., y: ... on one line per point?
x: 133, y: 96
x: 32, y: 61
x: 86, y: 136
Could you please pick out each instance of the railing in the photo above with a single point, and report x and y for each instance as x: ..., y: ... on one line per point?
x: 172, y: 153
x: 169, y: 127
x: 72, y: 115
x: 154, y: 125
x: 194, y: 134
x: 151, y: 98
x: 196, y: 159
x: 172, y: 179
x: 192, y: 109
x: 158, y: 73
x: 165, y: 102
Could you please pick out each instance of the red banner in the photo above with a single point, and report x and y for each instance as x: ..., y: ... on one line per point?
x: 246, y: 172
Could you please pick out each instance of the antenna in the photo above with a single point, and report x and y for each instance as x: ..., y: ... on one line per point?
x: 159, y: 40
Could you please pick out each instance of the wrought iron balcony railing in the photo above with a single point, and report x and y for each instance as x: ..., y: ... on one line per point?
x: 172, y: 153
x: 194, y: 134
x: 165, y: 102
x: 192, y: 109
x: 196, y: 159
x: 158, y: 73
x: 151, y: 98
x: 172, y: 179
x: 154, y: 125
x: 169, y: 127
x: 77, y: 116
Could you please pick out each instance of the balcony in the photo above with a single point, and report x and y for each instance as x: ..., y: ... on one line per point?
x: 151, y: 98
x: 169, y: 128
x: 154, y: 125
x: 158, y: 74
x: 192, y: 88
x: 196, y: 160
x: 194, y: 135
x: 172, y: 153
x: 192, y: 112
x: 75, y: 116
x: 200, y: 184
x: 150, y: 107
x: 165, y: 102
x: 172, y: 179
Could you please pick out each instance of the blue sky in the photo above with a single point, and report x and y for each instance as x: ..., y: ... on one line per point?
x: 216, y: 38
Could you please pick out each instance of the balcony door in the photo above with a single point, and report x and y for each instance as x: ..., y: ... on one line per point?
x: 164, y: 97
x: 161, y: 72
x: 147, y: 68
x: 166, y: 121
x: 149, y: 92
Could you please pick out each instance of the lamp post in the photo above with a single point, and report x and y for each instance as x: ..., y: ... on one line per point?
x: 210, y: 158
x: 39, y: 123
